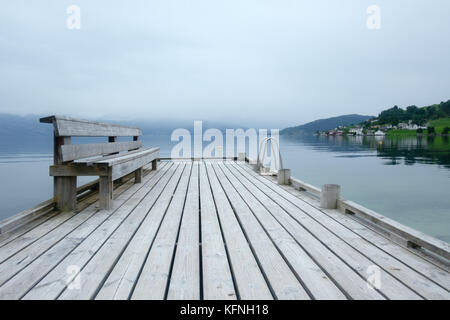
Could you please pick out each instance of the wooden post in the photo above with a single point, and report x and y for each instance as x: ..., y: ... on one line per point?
x: 138, y: 175
x: 329, y: 196
x: 64, y: 188
x: 155, y: 164
x: 284, y: 176
x: 241, y: 156
x: 105, y: 193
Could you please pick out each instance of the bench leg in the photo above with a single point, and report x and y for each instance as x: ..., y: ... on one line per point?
x: 105, y: 193
x: 65, y: 193
x: 154, y: 164
x: 138, y: 175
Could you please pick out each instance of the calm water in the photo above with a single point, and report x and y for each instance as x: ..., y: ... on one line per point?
x: 407, y: 179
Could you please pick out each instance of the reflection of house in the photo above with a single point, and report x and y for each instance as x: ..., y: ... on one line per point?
x: 356, y: 131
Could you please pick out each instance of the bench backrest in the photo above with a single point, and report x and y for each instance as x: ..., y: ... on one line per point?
x: 65, y: 128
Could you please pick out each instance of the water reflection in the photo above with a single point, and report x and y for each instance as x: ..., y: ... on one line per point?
x: 395, y: 150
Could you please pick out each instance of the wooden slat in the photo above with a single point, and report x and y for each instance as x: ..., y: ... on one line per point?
x: 185, y: 279
x: 125, y: 166
x: 397, y: 269
x: 280, y: 277
x: 432, y: 272
x: 392, y: 287
x: 250, y: 282
x: 340, y: 272
x: 217, y: 278
x: 391, y: 266
x: 116, y: 160
x: 79, y: 151
x: 28, y: 238
x: 317, y: 282
x: 26, y: 216
x: 14, y: 233
x: 65, y: 126
x: 19, y: 285
x: 20, y: 229
x: 418, y: 238
x: 55, y: 271
x: 26, y: 255
x: 98, y: 268
x: 62, y: 170
x: 152, y: 282
x: 413, y: 236
x: 122, y: 279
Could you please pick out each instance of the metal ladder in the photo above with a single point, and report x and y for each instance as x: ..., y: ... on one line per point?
x: 259, y: 163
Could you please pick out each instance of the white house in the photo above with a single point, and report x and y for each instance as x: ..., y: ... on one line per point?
x: 357, y: 131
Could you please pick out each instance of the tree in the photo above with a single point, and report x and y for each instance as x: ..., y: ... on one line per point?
x: 445, y: 130
x: 431, y: 130
x: 420, y: 130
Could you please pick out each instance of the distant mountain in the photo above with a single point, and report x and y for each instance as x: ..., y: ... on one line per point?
x: 13, y: 126
x: 22, y: 126
x: 325, y: 124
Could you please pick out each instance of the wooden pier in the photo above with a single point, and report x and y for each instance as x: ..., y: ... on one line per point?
x: 215, y: 229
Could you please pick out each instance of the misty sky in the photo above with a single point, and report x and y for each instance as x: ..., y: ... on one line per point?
x: 252, y: 62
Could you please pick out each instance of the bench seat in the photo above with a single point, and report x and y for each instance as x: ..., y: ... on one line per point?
x: 121, y: 164
x: 109, y: 161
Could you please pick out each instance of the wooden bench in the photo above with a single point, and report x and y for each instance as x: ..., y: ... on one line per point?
x: 109, y: 161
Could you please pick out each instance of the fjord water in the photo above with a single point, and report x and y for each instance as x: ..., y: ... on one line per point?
x: 404, y: 178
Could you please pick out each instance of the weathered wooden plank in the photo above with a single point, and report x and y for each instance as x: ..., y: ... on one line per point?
x: 69, y: 170
x: 341, y: 273
x: 249, y: 280
x: 75, y: 249
x: 24, y: 257
x: 396, y: 257
x: 280, y: 277
x: 185, y: 278
x: 65, y: 126
x: 315, y: 280
x: 23, y: 241
x: 80, y: 151
x: 121, y: 167
x: 122, y: 279
x: 417, y: 282
x: 65, y: 193
x: 217, y: 278
x: 13, y: 233
x: 301, y: 212
x: 395, y: 268
x: 138, y: 175
x: 53, y: 284
x: 26, y: 216
x: 105, y: 194
x: 98, y: 268
x: 413, y: 236
x: 152, y: 282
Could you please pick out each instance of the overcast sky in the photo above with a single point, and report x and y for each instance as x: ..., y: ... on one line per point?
x: 269, y: 62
